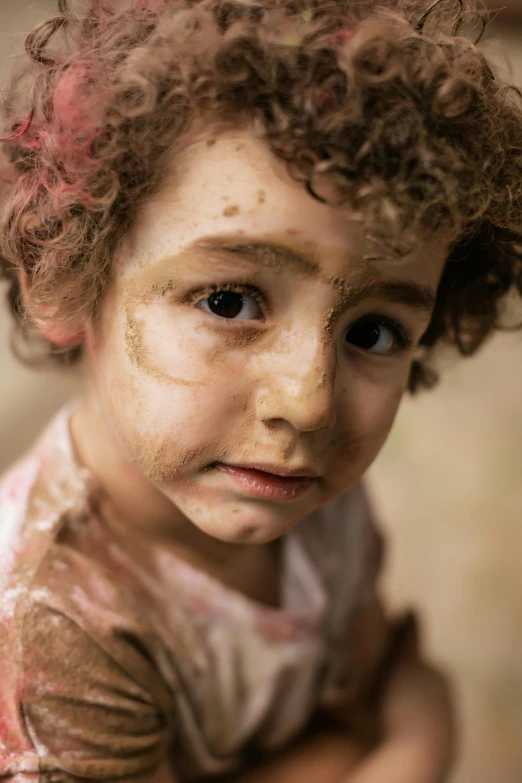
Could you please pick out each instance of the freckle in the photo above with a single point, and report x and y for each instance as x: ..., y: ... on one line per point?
x: 239, y: 147
x: 211, y: 142
x: 230, y: 211
x: 261, y: 197
x: 225, y: 198
x: 293, y: 231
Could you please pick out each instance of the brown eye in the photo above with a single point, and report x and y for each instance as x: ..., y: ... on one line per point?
x: 374, y: 335
x: 226, y: 304
x: 232, y: 305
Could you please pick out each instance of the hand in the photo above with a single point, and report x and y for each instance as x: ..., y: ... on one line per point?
x: 415, y: 714
x: 326, y: 755
x: 416, y: 718
x: 418, y: 702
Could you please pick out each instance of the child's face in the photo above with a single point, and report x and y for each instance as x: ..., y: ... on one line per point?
x: 245, y: 330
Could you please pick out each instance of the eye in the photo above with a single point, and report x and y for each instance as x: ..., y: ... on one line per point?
x: 232, y: 305
x: 377, y: 335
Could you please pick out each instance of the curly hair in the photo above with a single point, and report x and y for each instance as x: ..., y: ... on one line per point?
x: 393, y: 104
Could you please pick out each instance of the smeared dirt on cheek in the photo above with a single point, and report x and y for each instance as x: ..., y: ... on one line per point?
x: 139, y: 354
x: 133, y: 339
x: 241, y: 339
x: 162, y: 468
x: 161, y: 451
x: 159, y: 455
x: 162, y: 457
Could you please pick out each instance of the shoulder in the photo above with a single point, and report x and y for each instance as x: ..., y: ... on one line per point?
x: 36, y: 494
x: 96, y: 705
x: 82, y: 695
x: 79, y: 710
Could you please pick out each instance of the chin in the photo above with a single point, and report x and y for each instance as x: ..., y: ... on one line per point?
x: 246, y: 526
x: 234, y: 519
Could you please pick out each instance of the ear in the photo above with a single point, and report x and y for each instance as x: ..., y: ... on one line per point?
x: 57, y: 334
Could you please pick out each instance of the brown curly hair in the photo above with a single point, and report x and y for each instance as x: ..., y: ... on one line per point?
x: 391, y: 102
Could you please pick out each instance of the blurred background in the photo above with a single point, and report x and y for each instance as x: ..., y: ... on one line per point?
x: 448, y: 489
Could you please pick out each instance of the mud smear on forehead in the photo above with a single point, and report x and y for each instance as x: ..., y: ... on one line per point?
x: 349, y: 292
x: 230, y: 253
x: 265, y: 253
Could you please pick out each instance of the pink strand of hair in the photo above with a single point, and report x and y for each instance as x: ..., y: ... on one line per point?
x: 21, y: 129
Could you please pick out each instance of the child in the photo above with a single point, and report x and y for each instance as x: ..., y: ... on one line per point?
x: 254, y: 222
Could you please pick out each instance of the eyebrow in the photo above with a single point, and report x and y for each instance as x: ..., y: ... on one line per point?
x: 350, y: 293
x: 403, y: 292
x: 274, y: 255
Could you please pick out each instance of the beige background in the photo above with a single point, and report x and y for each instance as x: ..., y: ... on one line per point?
x: 447, y: 488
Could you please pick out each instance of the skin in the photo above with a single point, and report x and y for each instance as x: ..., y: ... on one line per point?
x: 173, y: 388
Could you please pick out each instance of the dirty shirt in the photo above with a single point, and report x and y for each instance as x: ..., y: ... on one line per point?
x: 115, y: 655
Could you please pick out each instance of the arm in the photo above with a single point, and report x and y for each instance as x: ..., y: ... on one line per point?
x: 321, y: 755
x: 91, y: 714
x: 415, y: 714
x: 417, y: 721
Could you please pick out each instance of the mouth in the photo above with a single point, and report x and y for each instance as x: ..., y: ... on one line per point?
x: 271, y: 482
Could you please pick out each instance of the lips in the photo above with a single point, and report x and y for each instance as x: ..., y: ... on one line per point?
x: 277, y: 470
x: 270, y: 482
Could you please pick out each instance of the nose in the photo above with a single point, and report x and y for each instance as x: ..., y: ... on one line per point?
x: 298, y: 383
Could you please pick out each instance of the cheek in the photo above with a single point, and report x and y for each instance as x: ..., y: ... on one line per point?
x: 172, y: 346
x: 366, y: 415
x: 170, y: 402
x: 376, y: 407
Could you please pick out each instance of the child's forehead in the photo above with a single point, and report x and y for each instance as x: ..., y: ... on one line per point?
x: 230, y: 193
x: 233, y: 185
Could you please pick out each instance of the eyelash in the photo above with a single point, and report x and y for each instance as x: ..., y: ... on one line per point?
x: 237, y: 288
x: 404, y: 341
